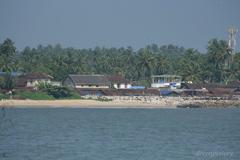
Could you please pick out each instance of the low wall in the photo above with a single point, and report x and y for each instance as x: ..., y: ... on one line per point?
x: 175, y: 101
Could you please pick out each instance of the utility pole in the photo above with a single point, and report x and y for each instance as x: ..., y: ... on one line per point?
x: 231, y: 44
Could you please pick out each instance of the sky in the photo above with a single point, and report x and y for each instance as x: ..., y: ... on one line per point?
x: 117, y: 23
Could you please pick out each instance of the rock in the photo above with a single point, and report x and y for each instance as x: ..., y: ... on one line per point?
x: 189, y: 106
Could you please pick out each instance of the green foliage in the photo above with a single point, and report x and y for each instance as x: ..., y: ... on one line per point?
x: 32, y: 95
x: 191, y: 66
x: 7, y: 56
x: 2, y: 81
x: 59, y: 92
x: 7, y: 82
x: 74, y: 95
x: 146, y: 63
x: 134, y: 65
x: 3, y: 96
x: 49, y: 93
x: 217, y: 55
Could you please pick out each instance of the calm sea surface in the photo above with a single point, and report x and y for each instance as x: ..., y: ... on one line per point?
x: 119, y: 134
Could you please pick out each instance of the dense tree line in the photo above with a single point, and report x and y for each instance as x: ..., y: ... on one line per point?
x: 134, y: 65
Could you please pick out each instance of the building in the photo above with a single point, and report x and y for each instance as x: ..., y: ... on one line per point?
x: 119, y: 82
x: 87, y: 81
x: 97, y: 82
x: 32, y: 80
x: 166, y: 81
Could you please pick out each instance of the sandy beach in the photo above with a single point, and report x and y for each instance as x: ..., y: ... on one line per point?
x: 77, y: 104
x: 123, y: 102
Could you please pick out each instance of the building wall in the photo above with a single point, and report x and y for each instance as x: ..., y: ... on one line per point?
x: 129, y: 85
x: 53, y: 83
x: 34, y: 83
x: 161, y: 85
x: 115, y: 86
x: 121, y: 86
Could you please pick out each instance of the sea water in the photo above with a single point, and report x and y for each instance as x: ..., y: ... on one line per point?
x: 119, y: 134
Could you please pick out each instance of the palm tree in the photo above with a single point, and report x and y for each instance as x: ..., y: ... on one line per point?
x: 146, y: 62
x: 217, y: 56
x: 7, y: 53
x: 190, y: 66
x: 161, y: 64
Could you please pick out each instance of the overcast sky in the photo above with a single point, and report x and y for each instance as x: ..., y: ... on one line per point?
x: 117, y: 23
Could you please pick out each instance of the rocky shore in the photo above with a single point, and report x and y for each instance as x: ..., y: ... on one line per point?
x: 181, y: 102
x: 129, y: 102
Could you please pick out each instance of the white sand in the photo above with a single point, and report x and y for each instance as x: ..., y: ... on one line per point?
x: 79, y: 104
x: 124, y: 102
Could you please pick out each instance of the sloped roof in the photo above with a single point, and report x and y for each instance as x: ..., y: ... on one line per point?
x: 89, y: 79
x: 117, y: 79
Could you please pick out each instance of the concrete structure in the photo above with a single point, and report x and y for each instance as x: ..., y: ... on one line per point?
x: 166, y: 81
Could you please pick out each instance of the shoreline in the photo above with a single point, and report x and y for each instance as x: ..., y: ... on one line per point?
x: 124, y: 102
x: 75, y: 104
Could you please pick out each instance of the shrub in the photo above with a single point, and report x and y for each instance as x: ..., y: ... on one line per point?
x: 74, y: 95
x: 59, y: 92
x: 3, y: 96
x: 33, y: 95
x: 2, y: 81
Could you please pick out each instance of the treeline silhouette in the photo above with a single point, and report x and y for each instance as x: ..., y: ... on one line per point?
x: 134, y: 65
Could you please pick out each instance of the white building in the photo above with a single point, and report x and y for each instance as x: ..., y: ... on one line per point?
x: 166, y: 81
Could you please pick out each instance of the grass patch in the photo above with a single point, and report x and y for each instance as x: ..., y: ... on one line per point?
x: 73, y: 95
x: 3, y: 96
x: 33, y: 95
